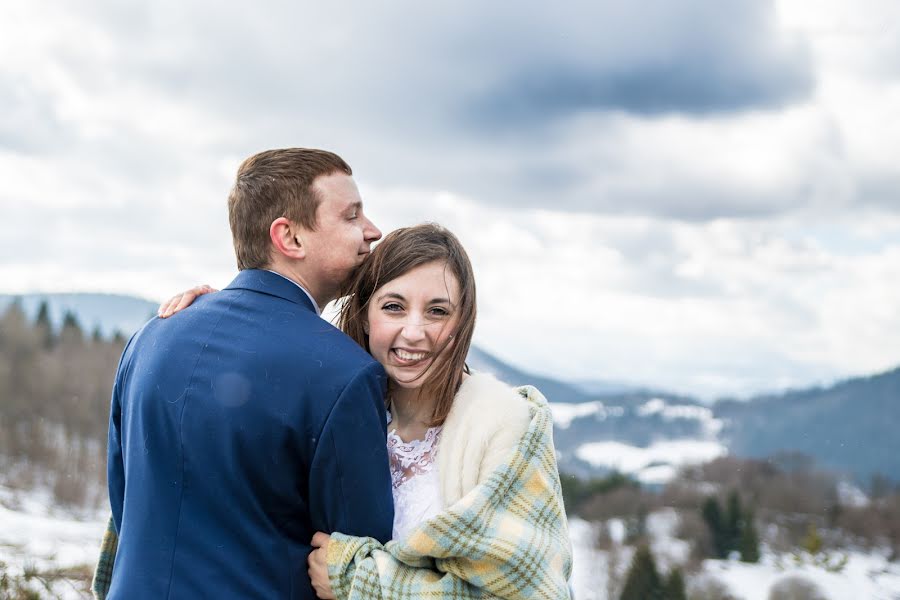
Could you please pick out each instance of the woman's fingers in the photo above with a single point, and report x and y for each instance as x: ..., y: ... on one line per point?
x: 318, y: 574
x: 320, y: 539
x: 183, y: 300
x: 192, y: 294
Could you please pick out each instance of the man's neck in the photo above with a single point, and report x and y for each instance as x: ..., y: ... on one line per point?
x: 301, y: 281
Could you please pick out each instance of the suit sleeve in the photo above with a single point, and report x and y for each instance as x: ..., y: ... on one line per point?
x: 115, y: 458
x: 115, y: 465
x: 349, y: 482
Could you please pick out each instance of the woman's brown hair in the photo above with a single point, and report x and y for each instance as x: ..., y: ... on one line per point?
x: 400, y: 252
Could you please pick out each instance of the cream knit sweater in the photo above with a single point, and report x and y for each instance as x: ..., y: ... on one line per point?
x: 485, y: 423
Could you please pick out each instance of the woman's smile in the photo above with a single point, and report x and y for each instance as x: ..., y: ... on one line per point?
x: 409, y: 357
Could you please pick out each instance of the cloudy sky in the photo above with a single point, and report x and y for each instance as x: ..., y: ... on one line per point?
x: 700, y: 195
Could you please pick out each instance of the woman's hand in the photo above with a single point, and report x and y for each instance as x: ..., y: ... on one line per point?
x: 318, y: 566
x: 182, y: 300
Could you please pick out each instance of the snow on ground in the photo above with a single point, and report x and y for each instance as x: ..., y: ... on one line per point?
x: 566, y: 412
x: 33, y: 533
x: 645, y: 463
x: 589, y: 565
x: 866, y: 576
x: 657, y: 406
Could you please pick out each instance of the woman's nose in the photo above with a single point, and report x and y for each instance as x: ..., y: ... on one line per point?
x: 414, y: 330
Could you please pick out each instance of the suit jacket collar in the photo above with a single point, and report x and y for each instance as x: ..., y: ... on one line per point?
x: 273, y: 284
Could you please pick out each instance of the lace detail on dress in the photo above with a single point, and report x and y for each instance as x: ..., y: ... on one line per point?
x: 409, y: 459
x: 414, y: 477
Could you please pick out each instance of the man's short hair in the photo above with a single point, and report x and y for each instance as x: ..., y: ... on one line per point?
x: 273, y: 184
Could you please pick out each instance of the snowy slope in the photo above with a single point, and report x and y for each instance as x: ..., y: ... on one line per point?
x: 866, y: 576
x: 35, y: 535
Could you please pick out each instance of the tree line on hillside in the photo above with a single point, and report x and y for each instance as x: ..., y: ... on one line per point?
x: 734, y: 508
x: 55, y: 388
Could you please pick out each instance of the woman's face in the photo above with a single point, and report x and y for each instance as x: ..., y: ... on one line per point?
x: 410, y: 318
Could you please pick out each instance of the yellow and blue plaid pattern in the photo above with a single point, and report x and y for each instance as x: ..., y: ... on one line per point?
x: 103, y: 572
x: 507, y: 538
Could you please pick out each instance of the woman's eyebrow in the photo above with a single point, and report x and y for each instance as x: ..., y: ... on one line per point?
x: 393, y: 295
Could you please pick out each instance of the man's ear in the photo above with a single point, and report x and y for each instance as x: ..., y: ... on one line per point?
x: 287, y: 238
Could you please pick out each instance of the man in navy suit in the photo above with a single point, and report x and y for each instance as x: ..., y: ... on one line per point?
x: 242, y: 426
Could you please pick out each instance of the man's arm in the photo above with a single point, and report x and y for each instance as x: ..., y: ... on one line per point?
x: 115, y: 465
x: 349, y: 481
x: 115, y: 461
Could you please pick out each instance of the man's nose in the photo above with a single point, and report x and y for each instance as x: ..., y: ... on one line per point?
x: 371, y: 233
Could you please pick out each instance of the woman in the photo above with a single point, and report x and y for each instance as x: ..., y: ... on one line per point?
x: 478, y: 506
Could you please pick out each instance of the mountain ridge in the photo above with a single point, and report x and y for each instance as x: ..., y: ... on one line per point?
x: 847, y: 426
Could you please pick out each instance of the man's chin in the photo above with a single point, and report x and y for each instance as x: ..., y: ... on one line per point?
x: 354, y: 273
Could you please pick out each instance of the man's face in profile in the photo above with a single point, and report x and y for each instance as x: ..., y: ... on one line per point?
x: 343, y: 235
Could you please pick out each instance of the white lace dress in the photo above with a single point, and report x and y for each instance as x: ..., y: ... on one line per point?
x: 414, y: 478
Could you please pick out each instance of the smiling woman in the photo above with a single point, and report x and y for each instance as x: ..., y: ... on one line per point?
x: 460, y: 444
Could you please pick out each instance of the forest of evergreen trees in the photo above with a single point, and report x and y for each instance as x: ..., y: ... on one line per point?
x: 55, y: 387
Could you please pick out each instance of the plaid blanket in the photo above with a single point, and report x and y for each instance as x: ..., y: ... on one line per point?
x: 103, y: 572
x: 507, y: 538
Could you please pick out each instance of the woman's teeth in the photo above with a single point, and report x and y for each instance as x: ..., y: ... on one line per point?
x: 404, y: 355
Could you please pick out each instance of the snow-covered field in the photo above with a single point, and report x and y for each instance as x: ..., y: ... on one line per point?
x: 866, y: 576
x: 35, y: 534
x: 657, y: 462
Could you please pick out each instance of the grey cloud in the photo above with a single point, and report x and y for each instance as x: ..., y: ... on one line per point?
x: 473, y: 97
x: 415, y: 69
x: 692, y: 57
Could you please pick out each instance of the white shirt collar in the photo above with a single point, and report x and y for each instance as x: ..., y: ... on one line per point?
x: 305, y: 291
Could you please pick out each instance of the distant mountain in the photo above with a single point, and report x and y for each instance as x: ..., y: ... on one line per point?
x: 109, y: 312
x: 601, y: 387
x: 850, y: 427
x: 553, y: 389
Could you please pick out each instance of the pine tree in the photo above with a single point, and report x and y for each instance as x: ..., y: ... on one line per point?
x: 44, y: 326
x: 674, y: 588
x: 749, y: 545
x: 712, y: 515
x: 643, y: 581
x: 733, y: 523
x: 71, y: 332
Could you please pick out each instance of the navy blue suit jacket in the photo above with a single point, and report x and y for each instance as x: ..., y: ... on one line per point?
x: 238, y: 428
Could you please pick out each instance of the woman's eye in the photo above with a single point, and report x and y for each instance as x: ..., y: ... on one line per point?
x: 439, y: 312
x: 392, y: 307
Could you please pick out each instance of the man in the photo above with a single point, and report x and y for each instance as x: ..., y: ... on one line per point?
x: 240, y: 427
